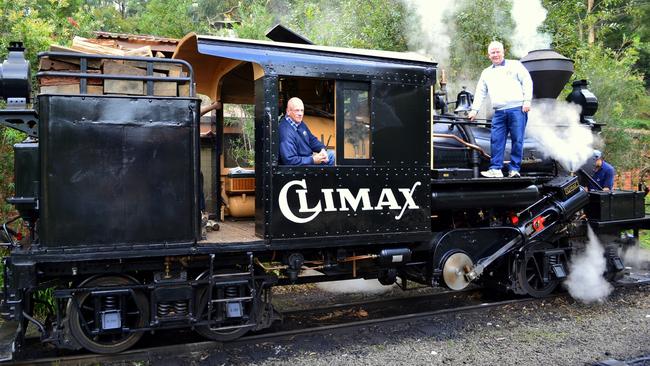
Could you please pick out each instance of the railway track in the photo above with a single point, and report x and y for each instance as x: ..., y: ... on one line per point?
x: 327, y: 319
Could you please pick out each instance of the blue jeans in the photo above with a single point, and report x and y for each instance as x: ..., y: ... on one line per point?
x: 330, y: 157
x: 507, y: 121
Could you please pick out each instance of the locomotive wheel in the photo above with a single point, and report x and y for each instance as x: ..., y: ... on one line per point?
x: 215, y: 335
x: 137, y: 314
x: 454, y: 270
x: 530, y: 271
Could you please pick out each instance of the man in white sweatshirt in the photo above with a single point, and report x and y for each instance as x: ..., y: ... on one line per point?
x: 510, y: 88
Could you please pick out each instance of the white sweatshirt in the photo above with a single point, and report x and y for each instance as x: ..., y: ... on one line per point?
x: 509, y: 85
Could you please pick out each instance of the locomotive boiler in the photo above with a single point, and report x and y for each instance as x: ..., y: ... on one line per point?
x: 109, y: 191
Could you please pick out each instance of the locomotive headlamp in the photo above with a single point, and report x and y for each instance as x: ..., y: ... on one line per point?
x: 14, y: 76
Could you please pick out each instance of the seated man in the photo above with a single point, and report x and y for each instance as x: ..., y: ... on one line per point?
x: 603, y: 174
x: 298, y: 146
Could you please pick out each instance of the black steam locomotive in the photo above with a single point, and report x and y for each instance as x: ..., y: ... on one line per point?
x: 109, y: 191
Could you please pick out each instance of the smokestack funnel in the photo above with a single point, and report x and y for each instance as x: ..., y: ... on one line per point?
x: 549, y: 70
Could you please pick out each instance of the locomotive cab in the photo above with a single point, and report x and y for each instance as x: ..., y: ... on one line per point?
x: 361, y: 105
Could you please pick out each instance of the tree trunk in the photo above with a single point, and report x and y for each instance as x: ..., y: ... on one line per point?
x: 591, y: 38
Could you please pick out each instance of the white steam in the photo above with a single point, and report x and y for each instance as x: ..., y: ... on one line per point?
x: 586, y: 282
x: 556, y: 126
x: 528, y: 16
x: 348, y: 286
x: 355, y: 286
x: 428, y: 34
x: 636, y: 257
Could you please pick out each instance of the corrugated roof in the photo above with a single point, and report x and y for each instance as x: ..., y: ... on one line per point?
x: 135, y: 37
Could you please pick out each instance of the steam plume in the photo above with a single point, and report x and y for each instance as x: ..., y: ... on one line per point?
x: 528, y: 16
x: 556, y: 126
x: 355, y: 286
x: 585, y: 281
x: 428, y: 34
x: 637, y: 258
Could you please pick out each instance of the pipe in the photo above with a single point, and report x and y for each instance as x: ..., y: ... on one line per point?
x: 471, y: 146
x: 445, y: 200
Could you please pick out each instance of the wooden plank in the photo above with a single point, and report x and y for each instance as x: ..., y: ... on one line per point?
x: 64, y: 80
x: 158, y: 66
x: 130, y: 87
x: 141, y: 51
x: 60, y: 89
x: 95, y: 89
x: 92, y: 63
x: 59, y: 48
x: 81, y: 44
x: 164, y: 88
x: 160, y: 54
x: 117, y: 68
x: 103, y: 42
x: 175, y: 72
x: 46, y: 64
x: 184, y: 90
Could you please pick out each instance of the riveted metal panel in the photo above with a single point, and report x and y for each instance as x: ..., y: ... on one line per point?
x: 266, y: 150
x: 118, y: 170
x: 309, y: 201
x: 400, y: 116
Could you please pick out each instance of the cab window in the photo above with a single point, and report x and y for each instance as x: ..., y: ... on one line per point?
x: 353, y: 122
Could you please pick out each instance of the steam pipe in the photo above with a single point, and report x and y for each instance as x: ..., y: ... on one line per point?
x: 471, y: 146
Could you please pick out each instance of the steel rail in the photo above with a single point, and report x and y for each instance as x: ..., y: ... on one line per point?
x: 188, y: 348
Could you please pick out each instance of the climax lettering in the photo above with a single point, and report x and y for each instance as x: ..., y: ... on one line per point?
x: 346, y: 199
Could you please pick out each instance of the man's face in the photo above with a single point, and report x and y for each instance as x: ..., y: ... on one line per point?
x: 599, y: 162
x: 496, y: 55
x: 296, y: 110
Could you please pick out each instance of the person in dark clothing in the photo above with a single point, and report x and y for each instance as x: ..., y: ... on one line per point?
x: 603, y: 174
x: 298, y: 146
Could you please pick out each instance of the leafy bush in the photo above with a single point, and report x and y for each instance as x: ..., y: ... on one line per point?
x: 619, y: 89
x: 8, y: 137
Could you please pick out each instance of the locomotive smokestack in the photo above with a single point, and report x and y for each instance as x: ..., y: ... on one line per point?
x: 549, y: 70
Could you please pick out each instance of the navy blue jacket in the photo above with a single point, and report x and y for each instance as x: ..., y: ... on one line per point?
x: 297, y: 146
x: 604, y: 176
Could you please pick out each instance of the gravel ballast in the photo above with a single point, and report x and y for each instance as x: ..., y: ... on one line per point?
x: 557, y: 331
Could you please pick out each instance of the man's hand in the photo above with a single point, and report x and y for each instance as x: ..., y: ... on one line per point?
x: 472, y: 115
x: 321, y: 157
x: 525, y: 109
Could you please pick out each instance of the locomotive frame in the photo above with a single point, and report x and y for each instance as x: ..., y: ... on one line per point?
x: 123, y: 261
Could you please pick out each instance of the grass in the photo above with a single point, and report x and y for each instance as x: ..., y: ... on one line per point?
x: 636, y: 123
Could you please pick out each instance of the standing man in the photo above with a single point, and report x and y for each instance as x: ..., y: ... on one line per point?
x: 510, y: 88
x: 603, y: 174
x: 298, y: 146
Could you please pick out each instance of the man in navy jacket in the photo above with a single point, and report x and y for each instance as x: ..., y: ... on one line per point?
x: 603, y: 173
x: 298, y: 146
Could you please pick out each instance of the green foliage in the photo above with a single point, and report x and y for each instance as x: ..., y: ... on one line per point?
x: 44, y: 302
x: 624, y: 149
x: 8, y: 137
x: 636, y: 123
x: 468, y: 56
x: 243, y: 148
x: 611, y: 78
x: 169, y: 18
x: 256, y: 19
x: 375, y: 24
